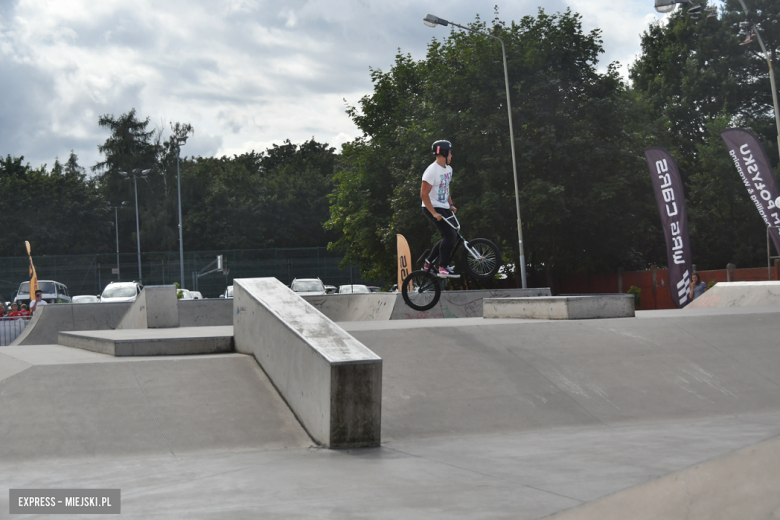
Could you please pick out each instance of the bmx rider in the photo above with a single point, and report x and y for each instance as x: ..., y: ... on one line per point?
x: 437, y: 205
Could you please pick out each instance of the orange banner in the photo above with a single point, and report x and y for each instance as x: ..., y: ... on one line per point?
x: 404, y: 259
x: 33, y: 274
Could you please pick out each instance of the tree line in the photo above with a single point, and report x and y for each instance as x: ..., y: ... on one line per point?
x: 585, y: 194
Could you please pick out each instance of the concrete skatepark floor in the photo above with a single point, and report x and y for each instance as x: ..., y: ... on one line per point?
x: 507, y: 419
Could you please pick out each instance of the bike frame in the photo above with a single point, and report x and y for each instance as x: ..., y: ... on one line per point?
x: 461, y: 240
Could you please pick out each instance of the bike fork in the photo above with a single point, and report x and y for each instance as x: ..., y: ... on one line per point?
x: 471, y: 251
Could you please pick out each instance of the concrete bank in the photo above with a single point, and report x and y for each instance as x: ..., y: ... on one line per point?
x: 69, y: 404
x: 743, y: 484
x: 473, y: 376
x: 738, y: 294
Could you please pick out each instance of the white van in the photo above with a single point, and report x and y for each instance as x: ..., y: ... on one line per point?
x: 53, y: 292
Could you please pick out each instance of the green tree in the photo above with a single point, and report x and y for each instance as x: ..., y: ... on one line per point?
x: 58, y: 212
x: 133, y: 145
x: 275, y: 198
x: 582, y: 183
x: 697, y: 80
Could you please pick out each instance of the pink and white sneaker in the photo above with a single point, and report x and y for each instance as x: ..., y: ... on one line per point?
x: 447, y: 272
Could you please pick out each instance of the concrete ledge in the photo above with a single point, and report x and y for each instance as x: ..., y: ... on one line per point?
x: 151, y: 342
x: 155, y: 308
x: 461, y: 304
x: 331, y: 381
x: 561, y: 307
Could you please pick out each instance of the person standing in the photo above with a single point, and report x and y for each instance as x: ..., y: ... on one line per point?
x: 24, y: 312
x: 37, y: 302
x: 697, y: 286
x: 14, y: 310
x: 437, y: 205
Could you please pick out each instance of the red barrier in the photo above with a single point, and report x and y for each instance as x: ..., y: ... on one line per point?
x: 654, y: 283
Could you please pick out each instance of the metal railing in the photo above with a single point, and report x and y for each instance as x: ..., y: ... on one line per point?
x: 769, y: 258
x: 11, y: 328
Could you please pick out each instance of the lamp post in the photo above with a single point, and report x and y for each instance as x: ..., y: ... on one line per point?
x: 135, y: 174
x: 116, y: 227
x: 665, y: 6
x: 771, y: 71
x: 180, y: 141
x: 433, y: 21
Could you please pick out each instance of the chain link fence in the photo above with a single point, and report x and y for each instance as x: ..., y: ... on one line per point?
x: 89, y: 274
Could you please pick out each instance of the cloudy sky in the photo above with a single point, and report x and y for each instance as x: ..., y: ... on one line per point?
x: 245, y: 73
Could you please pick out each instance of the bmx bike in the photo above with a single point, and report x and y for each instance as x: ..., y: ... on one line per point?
x: 421, y: 289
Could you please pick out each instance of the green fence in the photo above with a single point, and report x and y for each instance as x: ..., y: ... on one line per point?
x: 89, y: 274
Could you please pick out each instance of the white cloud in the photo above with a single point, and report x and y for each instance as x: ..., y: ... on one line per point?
x: 245, y: 73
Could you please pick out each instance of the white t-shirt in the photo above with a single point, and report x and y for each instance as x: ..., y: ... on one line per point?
x: 439, y: 178
x: 40, y: 304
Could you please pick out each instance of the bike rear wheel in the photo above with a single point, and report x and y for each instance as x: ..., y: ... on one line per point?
x: 421, y: 290
x: 488, y: 260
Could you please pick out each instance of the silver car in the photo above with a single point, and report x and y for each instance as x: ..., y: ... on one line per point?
x: 308, y: 286
x: 121, y: 292
x: 354, y: 289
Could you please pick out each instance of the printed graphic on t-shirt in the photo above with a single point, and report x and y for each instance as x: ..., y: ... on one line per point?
x: 444, y: 185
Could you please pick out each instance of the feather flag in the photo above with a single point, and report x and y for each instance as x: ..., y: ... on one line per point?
x: 33, y: 274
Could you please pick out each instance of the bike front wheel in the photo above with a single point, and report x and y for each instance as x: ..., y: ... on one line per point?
x: 421, y: 290
x: 485, y: 264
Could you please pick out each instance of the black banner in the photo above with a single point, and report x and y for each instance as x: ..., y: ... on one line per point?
x: 671, y: 205
x: 754, y: 167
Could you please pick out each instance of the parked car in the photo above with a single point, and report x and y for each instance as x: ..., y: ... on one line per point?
x: 353, y: 289
x: 374, y: 288
x: 53, y: 292
x: 116, y: 292
x: 228, y: 293
x: 331, y: 289
x: 186, y: 294
x: 86, y: 298
x: 196, y: 295
x: 308, y: 286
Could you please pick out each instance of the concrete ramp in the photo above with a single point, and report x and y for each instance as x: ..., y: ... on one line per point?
x: 743, y: 484
x: 77, y: 405
x: 355, y: 307
x: 52, y: 319
x: 738, y: 294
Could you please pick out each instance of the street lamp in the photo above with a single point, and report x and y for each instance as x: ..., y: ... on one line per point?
x: 180, y: 141
x: 433, y: 21
x: 116, y: 226
x: 665, y: 6
x: 135, y: 174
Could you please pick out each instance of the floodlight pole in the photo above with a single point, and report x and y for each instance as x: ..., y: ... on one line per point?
x: 771, y: 74
x: 432, y: 21
x: 134, y: 175
x: 769, y: 62
x: 179, y: 142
